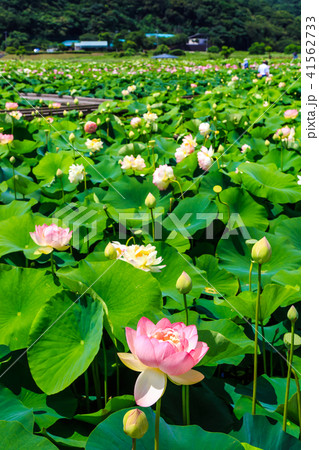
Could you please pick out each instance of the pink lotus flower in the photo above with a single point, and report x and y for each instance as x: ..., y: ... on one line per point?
x: 11, y: 106
x: 193, y: 85
x: 90, y: 127
x: 51, y: 237
x: 56, y: 105
x: 291, y: 113
x: 6, y: 138
x: 160, y: 351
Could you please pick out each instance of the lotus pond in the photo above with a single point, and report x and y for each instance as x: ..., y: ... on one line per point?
x: 150, y: 257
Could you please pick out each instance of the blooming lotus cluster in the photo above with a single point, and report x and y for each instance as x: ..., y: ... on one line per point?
x: 132, y: 88
x: 130, y: 162
x: 6, y: 138
x: 245, y: 147
x: 94, y: 145
x: 135, y: 122
x: 205, y: 157
x: 291, y: 113
x: 90, y: 127
x: 150, y: 117
x: 160, y: 351
x: 76, y: 173
x: 187, y: 147
x: 163, y: 176
x: 285, y: 134
x: 140, y: 256
x: 51, y: 237
x: 11, y: 106
x: 15, y: 114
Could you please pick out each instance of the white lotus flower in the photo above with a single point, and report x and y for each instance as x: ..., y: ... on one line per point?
x: 205, y: 157
x: 204, y: 128
x: 94, y: 144
x: 163, y: 176
x: 76, y: 173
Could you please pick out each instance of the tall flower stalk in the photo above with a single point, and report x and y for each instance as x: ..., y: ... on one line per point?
x: 260, y: 254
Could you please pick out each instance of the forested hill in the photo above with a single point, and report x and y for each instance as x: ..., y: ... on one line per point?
x: 236, y: 23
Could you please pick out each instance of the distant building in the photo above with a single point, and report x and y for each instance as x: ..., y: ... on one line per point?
x: 69, y: 43
x: 197, y: 43
x: 91, y: 45
x: 159, y: 35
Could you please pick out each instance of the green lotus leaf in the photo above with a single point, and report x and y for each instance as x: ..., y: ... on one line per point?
x: 50, y: 163
x: 13, y: 410
x: 267, y: 181
x: 171, y: 436
x: 14, y: 432
x: 64, y: 339
x: 24, y: 293
x: 128, y: 293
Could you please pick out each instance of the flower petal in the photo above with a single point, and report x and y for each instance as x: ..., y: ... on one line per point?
x: 131, y: 362
x: 145, y: 326
x: 190, y: 377
x: 149, y: 387
x: 130, y: 337
x: 145, y: 350
x: 177, y: 363
x: 199, y: 352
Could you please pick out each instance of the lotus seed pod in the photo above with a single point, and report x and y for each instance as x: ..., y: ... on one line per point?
x: 59, y: 173
x: 261, y: 251
x: 184, y: 283
x: 110, y: 251
x: 150, y: 201
x: 217, y: 189
x: 12, y: 160
x: 287, y: 340
x: 135, y: 423
x: 292, y: 314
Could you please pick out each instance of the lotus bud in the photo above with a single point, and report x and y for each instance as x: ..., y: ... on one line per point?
x: 149, y: 108
x: 68, y: 104
x: 292, y: 314
x: 76, y: 101
x: 81, y: 114
x: 221, y: 148
x: 135, y: 423
x: 98, y: 121
x: 59, y: 173
x: 184, y: 283
x: 261, y: 251
x: 131, y: 134
x: 267, y: 142
x: 12, y: 160
x: 136, y: 111
x: 72, y: 137
x: 110, y: 251
x: 16, y: 177
x: 65, y: 113
x: 107, y: 119
x: 150, y: 201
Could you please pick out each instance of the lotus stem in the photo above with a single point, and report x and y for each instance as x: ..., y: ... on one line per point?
x: 180, y: 188
x: 14, y: 183
x: 84, y: 180
x: 186, y: 310
x: 256, y: 342
x: 271, y: 354
x: 264, y: 346
x: 298, y: 394
x: 157, y: 422
x: 132, y: 237
x: 95, y: 373
x: 185, y: 396
x: 105, y: 371
x: 153, y: 224
x: 250, y: 274
x: 291, y: 352
x: 281, y: 157
x: 224, y: 203
x: 61, y: 182
x: 133, y: 443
